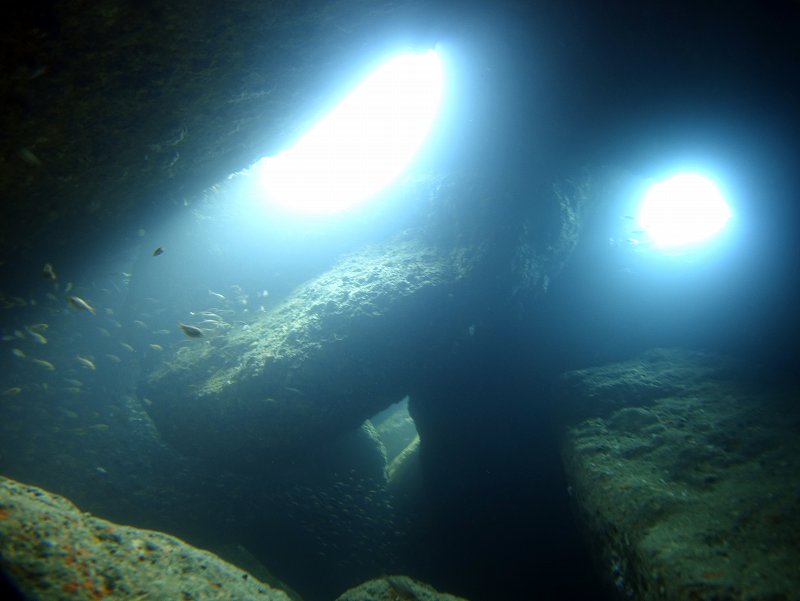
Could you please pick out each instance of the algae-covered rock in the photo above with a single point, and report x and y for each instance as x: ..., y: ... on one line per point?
x: 391, y: 588
x: 337, y: 350
x: 686, y: 477
x: 49, y: 549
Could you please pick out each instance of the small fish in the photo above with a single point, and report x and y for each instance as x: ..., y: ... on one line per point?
x: 87, y: 363
x: 73, y: 389
x: 213, y: 323
x: 47, y: 271
x: 69, y: 287
x: 38, y: 327
x: 18, y: 353
x: 37, y: 336
x: 26, y: 154
x: 140, y: 324
x: 46, y: 364
x: 73, y: 382
x: 162, y: 332
x: 127, y: 347
x: 113, y: 358
x: 158, y: 251
x: 157, y: 347
x: 12, y: 391
x: 216, y: 295
x: 78, y: 303
x: 104, y: 332
x: 190, y: 331
x: 208, y: 315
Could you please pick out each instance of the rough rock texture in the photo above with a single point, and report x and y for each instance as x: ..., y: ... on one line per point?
x: 322, y: 361
x: 51, y: 550
x: 686, y: 477
x: 392, y: 588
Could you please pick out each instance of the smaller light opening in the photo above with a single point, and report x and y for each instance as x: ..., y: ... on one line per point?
x: 683, y: 211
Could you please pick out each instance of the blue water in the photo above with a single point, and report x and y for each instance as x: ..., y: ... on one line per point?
x: 535, y: 104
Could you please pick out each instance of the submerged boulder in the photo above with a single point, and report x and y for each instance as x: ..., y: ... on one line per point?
x: 685, y: 476
x: 49, y: 549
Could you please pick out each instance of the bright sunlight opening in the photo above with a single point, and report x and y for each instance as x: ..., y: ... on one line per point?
x: 363, y: 144
x: 682, y: 211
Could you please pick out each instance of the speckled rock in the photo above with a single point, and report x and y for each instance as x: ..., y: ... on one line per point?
x: 51, y: 550
x: 392, y: 588
x: 686, y: 477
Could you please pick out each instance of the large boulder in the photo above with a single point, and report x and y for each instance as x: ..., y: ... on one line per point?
x: 49, y: 549
x: 685, y: 476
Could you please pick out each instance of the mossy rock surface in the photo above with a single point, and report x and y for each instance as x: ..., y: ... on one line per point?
x: 686, y: 477
x: 340, y: 348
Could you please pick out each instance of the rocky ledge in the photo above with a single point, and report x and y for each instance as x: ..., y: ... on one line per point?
x: 685, y: 475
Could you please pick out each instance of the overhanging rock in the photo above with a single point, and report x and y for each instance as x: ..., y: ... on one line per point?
x: 339, y: 349
x: 686, y: 477
x: 362, y: 335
